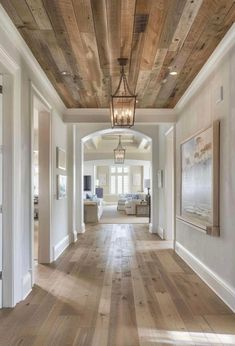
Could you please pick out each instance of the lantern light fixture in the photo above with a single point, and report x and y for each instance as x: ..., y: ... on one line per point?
x: 119, y: 153
x: 123, y: 101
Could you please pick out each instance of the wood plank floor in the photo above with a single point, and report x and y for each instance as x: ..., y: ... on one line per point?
x: 118, y: 286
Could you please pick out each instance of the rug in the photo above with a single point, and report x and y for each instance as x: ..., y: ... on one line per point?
x: 112, y: 216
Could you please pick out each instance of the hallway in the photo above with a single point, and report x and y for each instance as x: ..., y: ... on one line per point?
x: 118, y: 286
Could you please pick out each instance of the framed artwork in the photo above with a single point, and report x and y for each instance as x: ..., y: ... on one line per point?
x: 61, y: 186
x: 102, y: 179
x: 136, y: 179
x: 60, y: 158
x: 200, y: 180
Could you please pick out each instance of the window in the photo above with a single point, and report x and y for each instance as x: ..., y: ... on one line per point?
x: 119, y: 179
x: 113, y: 184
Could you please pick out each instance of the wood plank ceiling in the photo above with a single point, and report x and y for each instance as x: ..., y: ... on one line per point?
x: 85, y: 38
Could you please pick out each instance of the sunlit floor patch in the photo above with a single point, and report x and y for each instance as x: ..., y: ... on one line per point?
x: 185, y: 338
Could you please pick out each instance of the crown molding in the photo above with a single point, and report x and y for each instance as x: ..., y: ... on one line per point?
x: 6, y: 60
x: 102, y: 115
x: 18, y: 42
x: 212, y: 63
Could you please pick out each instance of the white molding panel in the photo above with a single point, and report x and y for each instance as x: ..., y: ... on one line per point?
x: 161, y: 232
x: 27, y: 285
x: 0, y: 294
x: 59, y: 248
x: 82, y: 229
x: 219, y: 286
x: 75, y: 236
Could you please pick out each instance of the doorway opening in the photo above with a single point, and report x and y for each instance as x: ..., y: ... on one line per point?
x: 170, y: 185
x: 36, y: 184
x: 115, y: 193
x: 1, y: 188
x: 41, y: 181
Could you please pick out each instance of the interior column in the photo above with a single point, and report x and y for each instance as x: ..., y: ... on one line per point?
x: 79, y: 217
x: 153, y: 227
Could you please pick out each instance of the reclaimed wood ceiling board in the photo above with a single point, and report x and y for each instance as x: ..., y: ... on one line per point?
x: 85, y: 38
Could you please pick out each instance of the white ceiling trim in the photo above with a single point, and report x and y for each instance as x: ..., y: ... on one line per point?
x: 212, y: 63
x: 102, y: 115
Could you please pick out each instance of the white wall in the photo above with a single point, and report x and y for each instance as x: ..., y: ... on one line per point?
x: 217, y: 254
x: 70, y: 171
x: 166, y: 189
x: 161, y: 166
x: 60, y: 207
x: 14, y: 52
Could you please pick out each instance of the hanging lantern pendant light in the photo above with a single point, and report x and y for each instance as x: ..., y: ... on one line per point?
x: 119, y: 153
x: 123, y: 101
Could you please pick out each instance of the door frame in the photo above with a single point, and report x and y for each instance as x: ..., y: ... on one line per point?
x: 1, y: 187
x: 12, y: 285
x: 35, y: 94
x: 82, y: 134
x: 171, y: 130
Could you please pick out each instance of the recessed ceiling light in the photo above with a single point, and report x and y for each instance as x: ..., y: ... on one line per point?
x: 65, y: 73
x: 173, y: 73
x: 164, y: 81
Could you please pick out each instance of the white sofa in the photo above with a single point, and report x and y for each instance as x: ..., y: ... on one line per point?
x: 123, y: 199
x: 121, y: 204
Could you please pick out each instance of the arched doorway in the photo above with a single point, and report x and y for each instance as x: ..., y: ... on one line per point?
x: 84, y: 133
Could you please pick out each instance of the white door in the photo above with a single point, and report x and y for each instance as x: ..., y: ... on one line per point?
x: 1, y: 162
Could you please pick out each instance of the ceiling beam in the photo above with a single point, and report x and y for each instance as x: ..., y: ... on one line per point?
x: 96, y: 141
x: 142, y: 143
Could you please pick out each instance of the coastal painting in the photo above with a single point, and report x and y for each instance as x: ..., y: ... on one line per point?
x: 197, y: 178
x: 61, y: 186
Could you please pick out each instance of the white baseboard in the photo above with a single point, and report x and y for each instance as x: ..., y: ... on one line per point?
x: 0, y: 294
x: 74, y: 236
x: 26, y: 285
x: 219, y: 286
x: 150, y: 228
x: 161, y: 232
x: 82, y: 228
x: 60, y: 247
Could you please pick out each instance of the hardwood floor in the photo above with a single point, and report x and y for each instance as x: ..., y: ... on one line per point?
x: 118, y: 286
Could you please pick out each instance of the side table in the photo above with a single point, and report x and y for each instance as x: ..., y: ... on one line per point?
x: 142, y: 210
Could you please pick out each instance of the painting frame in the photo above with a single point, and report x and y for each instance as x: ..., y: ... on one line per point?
x: 61, y: 186
x: 61, y: 158
x: 209, y: 227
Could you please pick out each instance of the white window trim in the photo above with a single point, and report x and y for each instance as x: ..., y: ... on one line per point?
x: 116, y: 174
